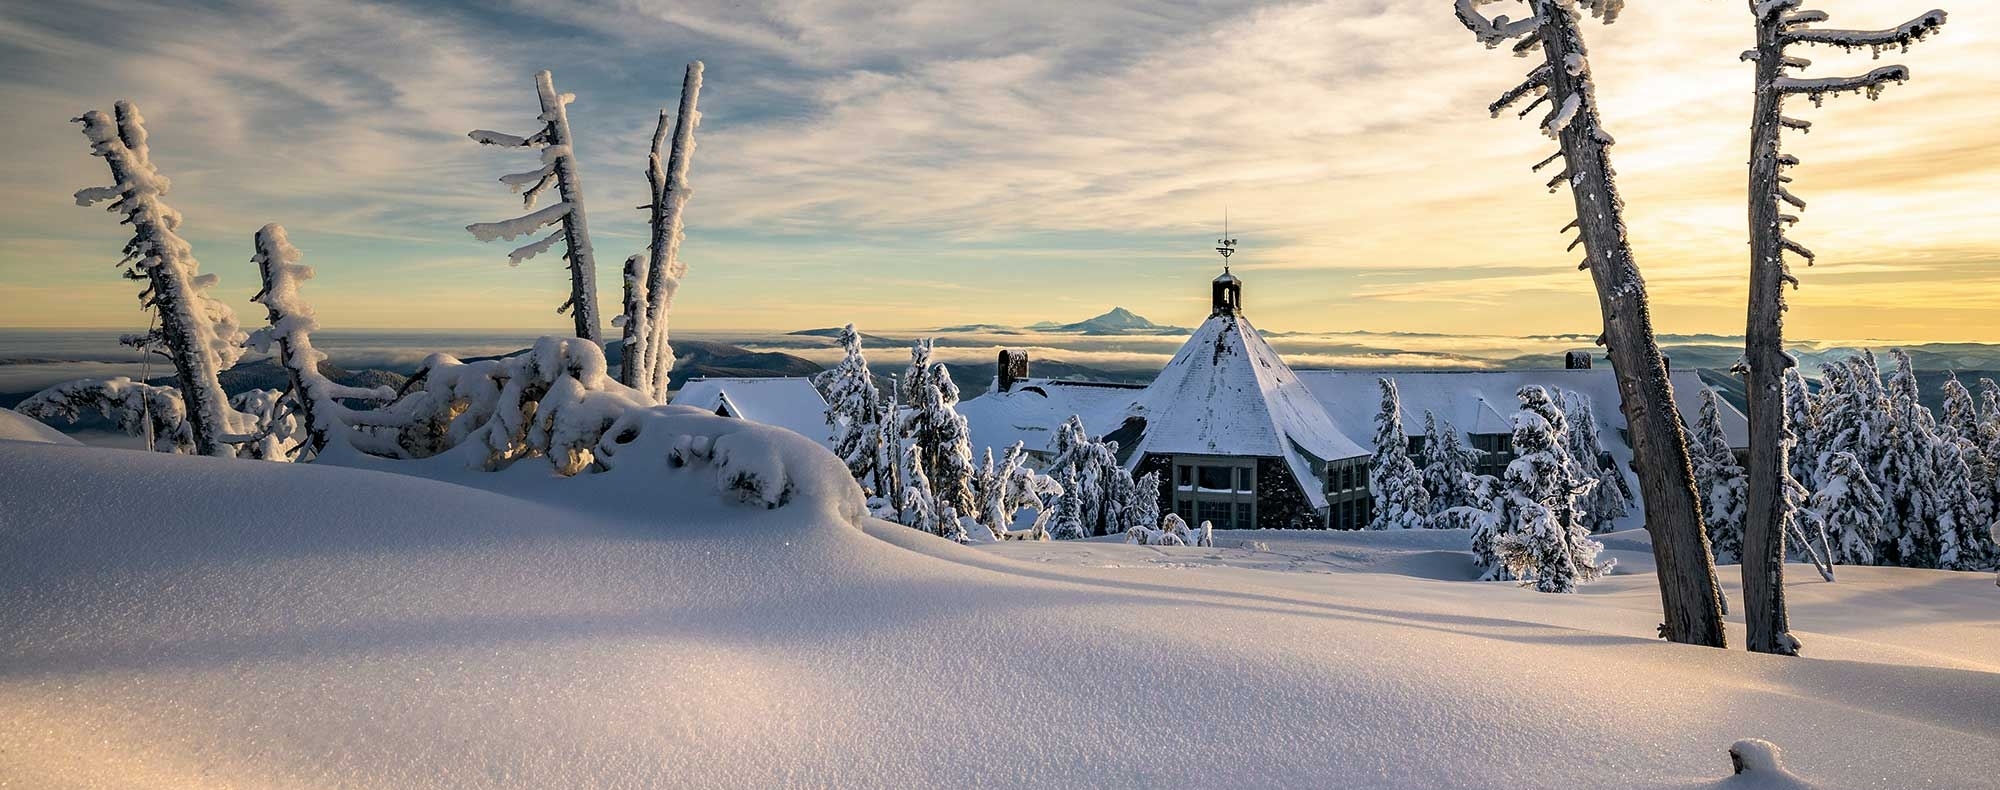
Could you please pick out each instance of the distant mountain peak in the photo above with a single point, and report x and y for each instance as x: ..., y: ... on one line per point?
x: 1116, y: 318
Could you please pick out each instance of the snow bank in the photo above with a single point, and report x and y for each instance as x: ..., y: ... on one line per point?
x: 172, y: 621
x: 18, y: 427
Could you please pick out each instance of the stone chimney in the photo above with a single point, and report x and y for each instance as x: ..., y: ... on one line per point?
x: 1013, y: 369
x: 1576, y: 360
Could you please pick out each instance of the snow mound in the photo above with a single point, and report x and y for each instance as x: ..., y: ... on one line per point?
x: 174, y: 621
x: 18, y: 427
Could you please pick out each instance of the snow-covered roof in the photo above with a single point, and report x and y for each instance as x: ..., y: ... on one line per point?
x: 1480, y: 401
x: 1227, y: 392
x: 1030, y: 412
x: 789, y: 402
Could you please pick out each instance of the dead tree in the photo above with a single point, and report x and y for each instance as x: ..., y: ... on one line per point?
x: 558, y: 168
x: 1689, y: 596
x: 650, y: 283
x: 195, y: 331
x: 1780, y: 25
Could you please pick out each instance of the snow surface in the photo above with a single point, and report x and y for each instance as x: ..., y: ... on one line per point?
x: 786, y: 402
x: 18, y: 427
x: 172, y: 621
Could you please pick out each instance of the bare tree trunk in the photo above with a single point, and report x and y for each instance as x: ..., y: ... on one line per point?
x: 576, y: 232
x: 637, y: 370
x: 1689, y: 595
x: 167, y: 261
x: 664, y: 268
x: 1764, y: 618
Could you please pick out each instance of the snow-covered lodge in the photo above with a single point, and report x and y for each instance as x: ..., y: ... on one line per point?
x: 1240, y: 439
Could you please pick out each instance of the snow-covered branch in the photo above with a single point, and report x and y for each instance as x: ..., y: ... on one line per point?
x: 1818, y: 88
x: 135, y: 406
x: 1491, y: 32
x: 1900, y: 36
x: 508, y: 229
x: 1537, y: 83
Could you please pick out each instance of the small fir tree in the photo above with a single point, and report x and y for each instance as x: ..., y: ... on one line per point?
x: 1393, y: 480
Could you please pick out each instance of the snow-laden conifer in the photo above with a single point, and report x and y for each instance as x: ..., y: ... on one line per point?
x: 1851, y: 507
x: 196, y: 332
x: 1720, y: 479
x: 1145, y: 503
x: 1101, y: 480
x: 855, y: 410
x: 1448, y: 465
x: 1690, y: 598
x: 1542, y: 541
x: 1781, y: 25
x: 652, y: 283
x: 558, y: 168
x: 138, y: 408
x: 1611, y: 498
x: 919, y: 506
x: 933, y: 423
x: 1068, y: 523
x: 1802, y: 420
x: 1393, y: 480
x: 325, y: 419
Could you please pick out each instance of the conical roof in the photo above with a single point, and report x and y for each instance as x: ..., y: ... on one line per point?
x: 1227, y: 392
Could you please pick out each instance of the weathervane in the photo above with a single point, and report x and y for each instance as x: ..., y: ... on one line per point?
x: 1225, y: 245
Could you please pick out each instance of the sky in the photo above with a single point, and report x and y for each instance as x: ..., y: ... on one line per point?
x: 943, y: 162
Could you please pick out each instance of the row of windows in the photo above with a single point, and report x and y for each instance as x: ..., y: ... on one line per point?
x: 1215, y: 478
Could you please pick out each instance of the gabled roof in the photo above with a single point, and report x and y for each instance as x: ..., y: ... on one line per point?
x: 1226, y: 392
x: 788, y: 402
x: 1481, y: 401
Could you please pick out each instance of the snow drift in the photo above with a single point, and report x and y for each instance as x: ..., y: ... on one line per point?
x: 175, y: 621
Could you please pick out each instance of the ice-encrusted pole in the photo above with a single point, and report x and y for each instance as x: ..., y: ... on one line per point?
x: 558, y: 168
x: 198, y: 333
x: 1780, y: 24
x: 1690, y: 599
x: 664, y: 267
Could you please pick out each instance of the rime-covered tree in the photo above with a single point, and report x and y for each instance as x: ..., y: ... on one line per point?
x: 197, y: 333
x: 652, y: 281
x: 326, y: 419
x: 934, y: 424
x: 1448, y: 465
x: 1393, y: 480
x: 1611, y: 498
x: 917, y: 505
x: 1101, y: 480
x: 1802, y: 420
x: 1960, y: 515
x: 1068, y: 523
x: 1022, y: 488
x: 1780, y: 26
x: 1908, y: 469
x: 138, y: 408
x: 1542, y: 539
x: 1145, y: 507
x: 1690, y: 599
x: 558, y: 168
x: 1851, y: 507
x: 855, y: 410
x: 1720, y: 480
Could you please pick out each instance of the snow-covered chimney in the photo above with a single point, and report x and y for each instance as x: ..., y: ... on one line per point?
x: 1013, y: 368
x: 1576, y: 360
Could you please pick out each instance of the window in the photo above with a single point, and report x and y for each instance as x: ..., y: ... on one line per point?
x: 1218, y: 478
x: 1182, y: 476
x: 1185, y: 509
x: 1217, y: 513
x: 1243, y: 520
x: 1245, y: 480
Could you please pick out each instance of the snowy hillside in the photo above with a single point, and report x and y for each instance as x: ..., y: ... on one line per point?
x: 172, y: 621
